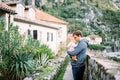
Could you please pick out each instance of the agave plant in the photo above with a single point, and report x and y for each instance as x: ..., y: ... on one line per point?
x: 42, y: 61
x: 43, y: 55
x: 21, y: 66
x: 43, y: 58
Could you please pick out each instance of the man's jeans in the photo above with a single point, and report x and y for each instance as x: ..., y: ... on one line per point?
x: 78, y: 72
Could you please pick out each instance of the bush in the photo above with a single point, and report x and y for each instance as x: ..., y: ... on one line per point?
x: 2, y: 24
x: 31, y: 45
x: 44, y: 49
x: 96, y: 47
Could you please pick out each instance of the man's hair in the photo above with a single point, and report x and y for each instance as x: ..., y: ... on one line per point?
x: 77, y: 33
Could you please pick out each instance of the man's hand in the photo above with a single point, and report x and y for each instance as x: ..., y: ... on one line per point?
x: 74, y: 58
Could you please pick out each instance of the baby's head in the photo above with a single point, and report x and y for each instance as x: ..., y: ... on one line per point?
x: 72, y: 39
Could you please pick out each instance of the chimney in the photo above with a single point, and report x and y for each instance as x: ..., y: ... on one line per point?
x: 20, y: 1
x: 33, y: 3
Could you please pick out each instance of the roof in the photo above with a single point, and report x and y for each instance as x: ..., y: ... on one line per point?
x: 95, y: 36
x: 6, y: 8
x: 36, y: 22
x: 40, y: 15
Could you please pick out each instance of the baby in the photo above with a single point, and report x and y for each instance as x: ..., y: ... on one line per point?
x: 71, y: 46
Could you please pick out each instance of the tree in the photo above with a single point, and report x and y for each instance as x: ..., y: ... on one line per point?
x: 38, y: 3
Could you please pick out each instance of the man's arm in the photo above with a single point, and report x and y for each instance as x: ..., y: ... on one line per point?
x: 77, y: 50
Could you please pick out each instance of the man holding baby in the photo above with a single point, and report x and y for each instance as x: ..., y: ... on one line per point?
x: 78, y: 56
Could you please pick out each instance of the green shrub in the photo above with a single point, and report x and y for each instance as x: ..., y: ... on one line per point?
x: 44, y: 49
x: 96, y: 47
x: 31, y: 45
x: 2, y: 24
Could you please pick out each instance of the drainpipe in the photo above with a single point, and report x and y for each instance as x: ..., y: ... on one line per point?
x: 33, y: 3
x: 9, y: 20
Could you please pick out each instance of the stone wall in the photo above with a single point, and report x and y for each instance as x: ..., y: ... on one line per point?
x: 100, y: 68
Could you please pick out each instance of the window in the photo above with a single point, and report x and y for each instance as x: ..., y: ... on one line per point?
x: 40, y: 35
x: 51, y: 36
x: 35, y: 34
x: 31, y: 13
x: 47, y: 36
x: 59, y: 32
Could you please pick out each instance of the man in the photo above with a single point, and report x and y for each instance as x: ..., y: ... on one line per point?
x: 78, y: 67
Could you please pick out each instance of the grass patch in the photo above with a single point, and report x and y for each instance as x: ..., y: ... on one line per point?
x: 114, y: 59
x: 45, y: 72
x: 96, y: 47
x: 63, y: 69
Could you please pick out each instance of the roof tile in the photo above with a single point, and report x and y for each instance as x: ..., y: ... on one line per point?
x: 47, y: 17
x: 6, y: 8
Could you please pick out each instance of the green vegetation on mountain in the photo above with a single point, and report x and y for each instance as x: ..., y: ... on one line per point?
x: 71, y: 11
x: 111, y: 15
x: 102, y: 4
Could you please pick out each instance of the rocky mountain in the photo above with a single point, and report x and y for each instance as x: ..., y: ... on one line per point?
x: 107, y: 17
x: 116, y: 2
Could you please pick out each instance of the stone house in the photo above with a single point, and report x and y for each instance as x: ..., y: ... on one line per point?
x: 44, y: 27
x: 94, y: 39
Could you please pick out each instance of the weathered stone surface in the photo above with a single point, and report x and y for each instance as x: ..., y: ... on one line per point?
x: 117, y: 77
x: 28, y: 78
x: 100, y: 68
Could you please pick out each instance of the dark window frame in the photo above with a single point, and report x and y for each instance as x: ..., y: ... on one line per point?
x: 35, y: 34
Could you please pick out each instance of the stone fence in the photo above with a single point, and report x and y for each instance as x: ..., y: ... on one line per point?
x: 100, y: 68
